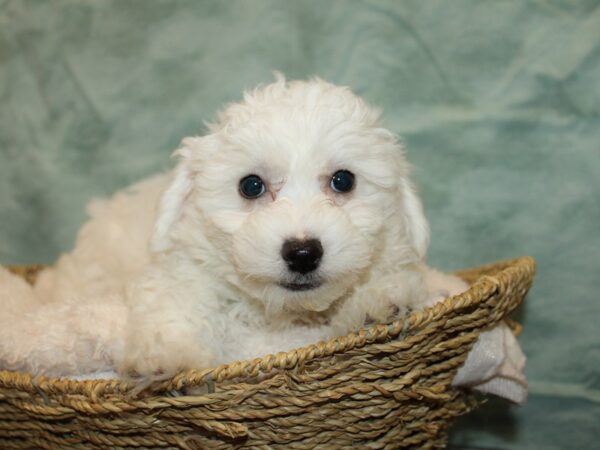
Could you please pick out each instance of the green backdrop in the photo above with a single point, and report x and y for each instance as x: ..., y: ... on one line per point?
x: 498, y: 103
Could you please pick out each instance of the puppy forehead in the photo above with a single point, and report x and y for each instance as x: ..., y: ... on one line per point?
x: 303, y: 127
x: 290, y: 137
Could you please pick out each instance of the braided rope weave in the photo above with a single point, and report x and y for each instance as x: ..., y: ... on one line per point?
x: 384, y: 387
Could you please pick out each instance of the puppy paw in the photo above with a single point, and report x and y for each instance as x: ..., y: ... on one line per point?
x: 387, y: 313
x: 159, y: 354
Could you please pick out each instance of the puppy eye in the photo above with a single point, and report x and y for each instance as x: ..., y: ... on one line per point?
x: 342, y: 181
x: 252, y: 187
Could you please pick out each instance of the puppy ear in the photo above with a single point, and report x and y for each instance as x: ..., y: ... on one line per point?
x: 173, y: 199
x: 414, y: 219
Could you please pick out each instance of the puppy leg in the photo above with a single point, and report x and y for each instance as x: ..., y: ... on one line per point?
x: 170, y: 327
x: 441, y: 286
x: 382, y: 298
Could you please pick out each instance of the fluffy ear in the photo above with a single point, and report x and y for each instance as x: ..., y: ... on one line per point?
x: 416, y: 224
x: 172, y: 201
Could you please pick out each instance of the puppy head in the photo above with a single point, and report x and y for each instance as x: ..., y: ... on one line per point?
x: 295, y: 195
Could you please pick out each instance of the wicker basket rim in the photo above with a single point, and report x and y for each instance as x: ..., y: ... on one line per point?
x: 485, y: 280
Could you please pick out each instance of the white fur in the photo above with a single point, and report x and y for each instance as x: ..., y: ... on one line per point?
x: 207, y: 288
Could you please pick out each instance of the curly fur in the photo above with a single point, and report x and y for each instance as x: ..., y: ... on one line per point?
x: 202, y: 286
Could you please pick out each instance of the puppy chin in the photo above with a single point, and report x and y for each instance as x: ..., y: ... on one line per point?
x: 299, y: 283
x: 316, y: 296
x: 297, y: 294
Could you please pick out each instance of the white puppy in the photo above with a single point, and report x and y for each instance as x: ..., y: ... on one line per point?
x: 293, y: 220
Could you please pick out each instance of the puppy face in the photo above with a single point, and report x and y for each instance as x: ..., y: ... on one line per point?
x: 293, y: 196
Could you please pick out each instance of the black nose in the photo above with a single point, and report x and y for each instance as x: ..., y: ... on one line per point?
x: 302, y: 256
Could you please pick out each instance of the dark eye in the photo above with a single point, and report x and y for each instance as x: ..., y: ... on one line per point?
x: 342, y: 181
x: 252, y: 186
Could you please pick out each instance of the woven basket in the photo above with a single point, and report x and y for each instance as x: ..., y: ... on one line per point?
x: 387, y: 386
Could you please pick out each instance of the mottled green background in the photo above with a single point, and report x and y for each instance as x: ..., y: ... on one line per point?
x: 498, y: 103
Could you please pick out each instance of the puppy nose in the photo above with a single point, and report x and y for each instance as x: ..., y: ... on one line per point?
x: 302, y: 256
